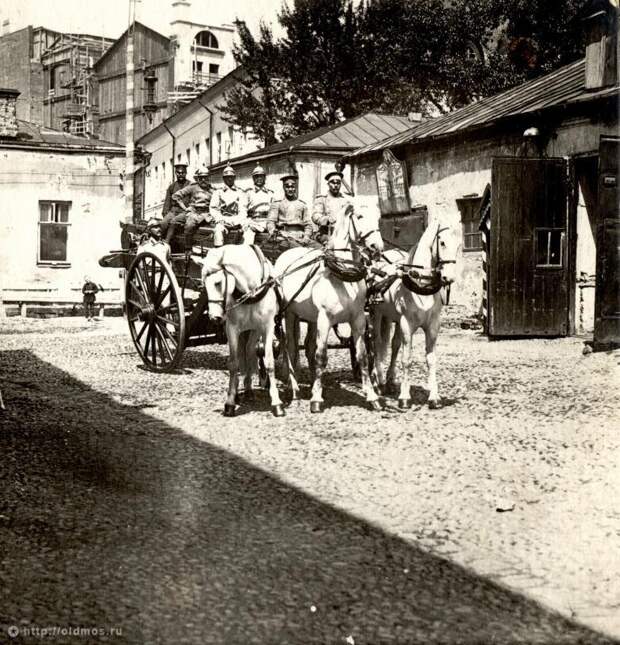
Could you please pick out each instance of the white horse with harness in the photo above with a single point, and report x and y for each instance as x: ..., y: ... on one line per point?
x: 237, y: 279
x: 312, y: 291
x: 412, y: 301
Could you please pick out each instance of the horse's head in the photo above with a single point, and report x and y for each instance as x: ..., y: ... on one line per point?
x: 219, y: 286
x: 444, y: 248
x: 217, y: 283
x: 359, y: 224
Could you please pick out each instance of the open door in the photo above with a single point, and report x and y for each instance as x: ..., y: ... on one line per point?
x: 607, y: 292
x: 528, y: 252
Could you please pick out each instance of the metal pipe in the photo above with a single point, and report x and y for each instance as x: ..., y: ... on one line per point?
x: 210, y: 131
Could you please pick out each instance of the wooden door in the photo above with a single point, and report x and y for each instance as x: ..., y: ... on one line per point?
x: 607, y: 296
x: 528, y: 263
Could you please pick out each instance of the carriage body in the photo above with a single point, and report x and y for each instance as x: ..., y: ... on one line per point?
x: 166, y: 305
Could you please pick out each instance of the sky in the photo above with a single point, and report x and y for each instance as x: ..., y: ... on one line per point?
x: 109, y: 17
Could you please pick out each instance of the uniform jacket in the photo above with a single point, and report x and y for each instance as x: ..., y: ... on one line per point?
x: 229, y: 202
x: 194, y: 197
x: 173, y: 188
x: 292, y: 216
x: 258, y: 201
x: 327, y: 207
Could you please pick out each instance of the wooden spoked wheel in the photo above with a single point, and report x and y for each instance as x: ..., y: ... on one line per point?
x: 155, y: 312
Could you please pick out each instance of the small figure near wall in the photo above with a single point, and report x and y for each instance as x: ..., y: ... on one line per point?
x: 90, y: 290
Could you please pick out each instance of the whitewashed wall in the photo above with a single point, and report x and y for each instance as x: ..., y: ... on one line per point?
x: 91, y: 183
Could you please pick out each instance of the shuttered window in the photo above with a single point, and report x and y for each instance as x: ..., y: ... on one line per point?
x: 53, y: 232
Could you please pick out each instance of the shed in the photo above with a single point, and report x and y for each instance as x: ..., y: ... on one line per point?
x: 547, y: 149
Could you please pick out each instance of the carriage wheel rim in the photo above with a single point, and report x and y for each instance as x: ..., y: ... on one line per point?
x: 155, y: 312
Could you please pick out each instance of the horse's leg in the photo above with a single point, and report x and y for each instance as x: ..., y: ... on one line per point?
x: 310, y: 348
x: 390, y: 380
x: 276, y: 404
x: 322, y: 332
x: 358, y: 327
x: 380, y: 343
x: 247, y: 354
x: 431, y: 333
x: 406, y: 334
x: 290, y: 351
x: 233, y: 370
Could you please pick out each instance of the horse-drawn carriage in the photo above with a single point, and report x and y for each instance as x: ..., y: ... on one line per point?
x: 169, y: 307
x: 166, y: 305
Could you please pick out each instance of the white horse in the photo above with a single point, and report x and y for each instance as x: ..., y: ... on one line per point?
x: 315, y: 294
x: 228, y: 274
x: 409, y: 303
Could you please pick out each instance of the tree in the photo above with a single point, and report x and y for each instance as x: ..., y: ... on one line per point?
x: 338, y: 59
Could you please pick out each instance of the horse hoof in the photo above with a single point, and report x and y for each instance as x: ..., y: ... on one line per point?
x: 229, y: 410
x: 433, y: 404
x: 316, y: 406
x: 376, y: 406
x: 404, y: 404
x: 277, y: 411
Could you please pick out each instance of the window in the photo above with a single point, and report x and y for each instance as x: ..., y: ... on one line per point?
x: 197, y: 150
x: 218, y: 137
x: 549, y: 247
x: 188, y: 154
x: 214, y: 70
x: 469, y: 206
x: 53, y: 232
x: 231, y: 140
x: 206, y: 39
x: 179, y: 158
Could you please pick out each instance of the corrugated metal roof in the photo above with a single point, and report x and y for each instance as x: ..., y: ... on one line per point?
x: 560, y: 87
x: 31, y: 134
x: 342, y: 137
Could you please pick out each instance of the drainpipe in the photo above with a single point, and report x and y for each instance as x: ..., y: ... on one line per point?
x: 210, y: 131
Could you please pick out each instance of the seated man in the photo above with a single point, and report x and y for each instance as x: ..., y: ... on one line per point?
x: 193, y: 202
x: 170, y: 209
x: 327, y: 207
x: 290, y: 216
x: 259, y: 199
x: 228, y: 208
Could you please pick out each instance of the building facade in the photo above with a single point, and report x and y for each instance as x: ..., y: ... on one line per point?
x: 61, y: 210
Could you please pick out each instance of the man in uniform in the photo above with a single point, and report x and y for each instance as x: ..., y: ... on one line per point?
x: 290, y: 215
x: 327, y: 207
x: 170, y: 209
x: 193, y: 203
x: 228, y: 208
x: 259, y: 199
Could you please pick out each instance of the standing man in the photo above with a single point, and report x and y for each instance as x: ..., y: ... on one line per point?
x: 327, y: 207
x: 89, y: 291
x: 290, y: 215
x: 259, y: 199
x: 193, y: 203
x: 228, y: 207
x: 170, y: 209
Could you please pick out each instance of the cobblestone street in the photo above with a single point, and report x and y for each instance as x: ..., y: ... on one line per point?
x: 510, y: 489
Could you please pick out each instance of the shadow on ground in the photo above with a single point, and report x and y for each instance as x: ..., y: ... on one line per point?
x: 111, y: 518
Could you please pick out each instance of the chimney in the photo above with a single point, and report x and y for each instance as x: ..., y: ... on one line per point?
x: 601, y: 36
x: 8, y: 113
x: 180, y: 11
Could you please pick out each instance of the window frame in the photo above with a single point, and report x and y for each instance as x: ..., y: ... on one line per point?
x: 549, y: 230
x: 54, y: 202
x: 469, y: 207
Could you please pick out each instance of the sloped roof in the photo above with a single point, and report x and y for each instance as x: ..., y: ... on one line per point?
x: 341, y: 137
x: 563, y: 86
x: 120, y: 41
x: 35, y: 136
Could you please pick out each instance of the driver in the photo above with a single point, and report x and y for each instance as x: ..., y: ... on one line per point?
x: 290, y: 215
x: 327, y: 207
